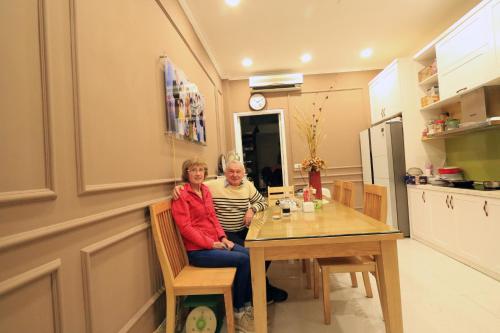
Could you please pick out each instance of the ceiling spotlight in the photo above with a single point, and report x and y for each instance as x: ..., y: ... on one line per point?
x: 366, y: 53
x: 306, y: 57
x: 247, y: 62
x: 232, y: 3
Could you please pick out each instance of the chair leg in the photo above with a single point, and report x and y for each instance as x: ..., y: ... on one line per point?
x: 304, y: 268
x: 354, y: 280
x: 228, y: 303
x: 171, y: 313
x: 326, y: 295
x: 368, y: 286
x: 316, y: 278
x: 308, y: 273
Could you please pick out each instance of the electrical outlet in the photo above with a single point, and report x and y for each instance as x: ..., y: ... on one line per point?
x: 297, y: 166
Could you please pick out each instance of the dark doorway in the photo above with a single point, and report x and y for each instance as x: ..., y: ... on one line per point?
x: 260, y: 138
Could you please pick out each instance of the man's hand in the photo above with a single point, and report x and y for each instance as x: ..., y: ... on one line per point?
x: 176, y: 192
x: 228, y: 243
x: 247, y: 219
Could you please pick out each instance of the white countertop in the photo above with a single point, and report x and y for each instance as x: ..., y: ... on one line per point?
x: 489, y: 194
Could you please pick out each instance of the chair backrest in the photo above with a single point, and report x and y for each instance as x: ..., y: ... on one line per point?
x: 168, y: 241
x: 278, y: 192
x: 375, y: 202
x: 337, y: 190
x: 326, y: 193
x: 347, y: 197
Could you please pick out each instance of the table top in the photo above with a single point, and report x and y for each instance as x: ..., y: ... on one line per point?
x: 332, y: 220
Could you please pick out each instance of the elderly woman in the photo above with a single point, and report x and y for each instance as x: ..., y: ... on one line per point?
x: 205, y: 241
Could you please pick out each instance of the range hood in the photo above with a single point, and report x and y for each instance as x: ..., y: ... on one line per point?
x: 480, y: 105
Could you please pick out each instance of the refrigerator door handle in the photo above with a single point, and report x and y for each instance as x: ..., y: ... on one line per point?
x: 447, y: 204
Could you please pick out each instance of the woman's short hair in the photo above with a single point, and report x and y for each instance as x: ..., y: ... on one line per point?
x: 193, y: 162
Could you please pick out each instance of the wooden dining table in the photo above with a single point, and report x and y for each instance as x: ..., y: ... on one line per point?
x: 331, y: 231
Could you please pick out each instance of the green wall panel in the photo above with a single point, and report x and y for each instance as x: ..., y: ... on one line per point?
x: 478, y: 154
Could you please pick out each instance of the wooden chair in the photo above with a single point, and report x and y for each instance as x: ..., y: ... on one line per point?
x: 181, y: 278
x: 375, y: 205
x: 375, y: 202
x: 278, y: 192
x: 337, y: 190
x: 347, y: 197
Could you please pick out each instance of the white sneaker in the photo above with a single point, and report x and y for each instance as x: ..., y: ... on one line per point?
x: 245, y: 323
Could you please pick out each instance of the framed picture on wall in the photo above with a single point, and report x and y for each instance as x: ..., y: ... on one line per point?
x: 185, y: 106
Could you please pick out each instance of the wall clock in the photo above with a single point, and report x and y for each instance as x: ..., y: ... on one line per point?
x: 257, y: 102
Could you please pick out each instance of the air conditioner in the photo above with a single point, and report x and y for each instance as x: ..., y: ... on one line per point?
x: 280, y: 82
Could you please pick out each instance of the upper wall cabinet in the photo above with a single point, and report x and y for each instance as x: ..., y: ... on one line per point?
x: 466, y: 55
x: 386, y: 90
x: 496, y: 31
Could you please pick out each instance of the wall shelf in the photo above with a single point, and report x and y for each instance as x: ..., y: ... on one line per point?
x: 493, y: 123
x: 430, y: 81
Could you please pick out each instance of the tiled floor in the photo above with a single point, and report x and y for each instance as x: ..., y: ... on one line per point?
x: 438, y: 294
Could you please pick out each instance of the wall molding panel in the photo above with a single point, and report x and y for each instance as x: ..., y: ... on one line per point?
x: 138, y: 315
x: 48, y: 192
x: 40, y: 233
x: 82, y: 182
x: 86, y: 258
x: 23, y: 279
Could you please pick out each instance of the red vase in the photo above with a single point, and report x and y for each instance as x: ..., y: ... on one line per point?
x: 315, y: 181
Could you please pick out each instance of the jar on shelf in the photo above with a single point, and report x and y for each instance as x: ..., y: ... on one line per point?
x: 439, y: 126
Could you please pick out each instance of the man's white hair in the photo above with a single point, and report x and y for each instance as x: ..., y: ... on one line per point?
x: 236, y: 162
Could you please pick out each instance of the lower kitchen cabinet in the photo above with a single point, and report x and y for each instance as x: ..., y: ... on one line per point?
x: 443, y: 228
x: 463, y: 226
x: 418, y: 207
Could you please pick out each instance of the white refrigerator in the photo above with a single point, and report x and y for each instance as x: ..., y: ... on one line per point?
x: 383, y: 163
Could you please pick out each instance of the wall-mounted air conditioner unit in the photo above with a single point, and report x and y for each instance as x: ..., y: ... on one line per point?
x: 280, y: 82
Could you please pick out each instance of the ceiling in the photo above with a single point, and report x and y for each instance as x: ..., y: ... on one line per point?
x: 275, y: 33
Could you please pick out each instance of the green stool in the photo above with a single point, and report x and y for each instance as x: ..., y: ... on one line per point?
x: 202, y: 321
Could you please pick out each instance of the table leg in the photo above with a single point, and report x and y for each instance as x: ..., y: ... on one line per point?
x: 257, y: 266
x: 388, y: 269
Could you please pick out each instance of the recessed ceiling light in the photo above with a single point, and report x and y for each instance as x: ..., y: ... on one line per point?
x: 247, y: 62
x: 232, y: 3
x: 366, y: 53
x: 306, y: 57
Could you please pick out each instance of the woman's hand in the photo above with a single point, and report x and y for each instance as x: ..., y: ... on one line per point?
x: 219, y: 246
x: 228, y: 243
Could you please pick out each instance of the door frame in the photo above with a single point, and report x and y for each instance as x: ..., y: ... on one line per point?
x: 281, y: 125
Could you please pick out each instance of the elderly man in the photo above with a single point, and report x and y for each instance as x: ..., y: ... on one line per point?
x: 236, y: 201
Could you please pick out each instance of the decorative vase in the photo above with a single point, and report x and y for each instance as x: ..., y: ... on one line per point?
x: 315, y: 182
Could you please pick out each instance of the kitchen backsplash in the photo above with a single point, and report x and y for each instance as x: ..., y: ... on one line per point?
x: 478, y: 154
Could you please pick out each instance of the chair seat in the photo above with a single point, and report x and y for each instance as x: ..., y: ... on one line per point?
x: 347, y: 264
x: 201, y: 277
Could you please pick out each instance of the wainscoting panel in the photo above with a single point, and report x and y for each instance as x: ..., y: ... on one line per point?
x: 26, y: 171
x: 30, y: 301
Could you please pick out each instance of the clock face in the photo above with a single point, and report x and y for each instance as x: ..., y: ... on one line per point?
x: 257, y: 102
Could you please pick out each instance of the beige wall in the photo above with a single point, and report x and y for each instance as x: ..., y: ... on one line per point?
x: 346, y: 113
x: 83, y: 153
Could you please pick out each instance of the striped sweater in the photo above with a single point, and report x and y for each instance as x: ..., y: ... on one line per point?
x: 232, y: 202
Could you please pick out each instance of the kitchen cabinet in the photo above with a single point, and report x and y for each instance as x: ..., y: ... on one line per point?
x: 463, y: 226
x: 387, y: 90
x: 443, y: 229
x: 419, y: 213
x: 471, y: 227
x: 466, y: 55
x: 491, y: 217
x: 496, y: 31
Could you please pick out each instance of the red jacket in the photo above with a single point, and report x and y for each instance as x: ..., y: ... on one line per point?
x: 196, y: 220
